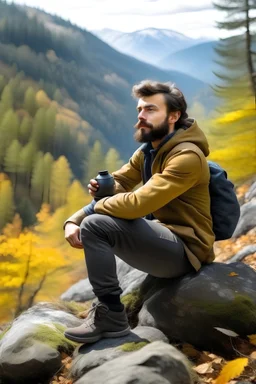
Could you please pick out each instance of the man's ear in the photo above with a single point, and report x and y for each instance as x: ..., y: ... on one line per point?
x: 174, y: 116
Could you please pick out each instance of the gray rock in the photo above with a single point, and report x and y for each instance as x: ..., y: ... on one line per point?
x: 245, y: 251
x: 156, y: 363
x: 132, y: 281
x: 80, y: 292
x: 29, y: 349
x: 247, y: 219
x: 189, y: 309
x: 129, y: 279
x: 90, y: 356
x: 251, y: 192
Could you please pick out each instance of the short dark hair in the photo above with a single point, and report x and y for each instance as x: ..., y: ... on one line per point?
x: 174, y: 98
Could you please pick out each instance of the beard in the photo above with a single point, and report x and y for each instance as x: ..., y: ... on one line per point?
x: 157, y: 132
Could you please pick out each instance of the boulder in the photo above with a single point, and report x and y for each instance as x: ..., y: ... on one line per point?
x: 129, y: 279
x: 191, y: 308
x: 245, y: 251
x: 156, y: 363
x: 251, y: 193
x: 30, y: 349
x: 89, y: 356
x: 247, y: 219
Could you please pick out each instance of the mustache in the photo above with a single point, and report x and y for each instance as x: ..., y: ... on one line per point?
x: 143, y: 123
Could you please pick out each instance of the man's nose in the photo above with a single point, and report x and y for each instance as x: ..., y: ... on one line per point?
x: 141, y: 115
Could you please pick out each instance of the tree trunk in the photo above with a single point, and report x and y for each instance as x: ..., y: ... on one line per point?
x: 252, y: 71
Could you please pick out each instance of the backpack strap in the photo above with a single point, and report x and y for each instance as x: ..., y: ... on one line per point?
x: 185, y: 145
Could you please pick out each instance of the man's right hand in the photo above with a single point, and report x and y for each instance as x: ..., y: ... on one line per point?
x: 93, y: 187
x: 72, y: 235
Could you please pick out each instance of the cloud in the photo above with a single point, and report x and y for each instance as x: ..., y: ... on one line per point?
x: 161, y: 12
x: 195, y: 19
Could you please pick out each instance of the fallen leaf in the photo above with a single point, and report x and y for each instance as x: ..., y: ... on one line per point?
x: 252, y: 339
x: 233, y: 274
x: 190, y: 351
x: 212, y: 356
x: 218, y: 360
x: 227, y: 332
x: 231, y: 370
x: 253, y: 355
x: 204, y: 368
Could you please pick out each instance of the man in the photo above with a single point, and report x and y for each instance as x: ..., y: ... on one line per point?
x: 175, y: 237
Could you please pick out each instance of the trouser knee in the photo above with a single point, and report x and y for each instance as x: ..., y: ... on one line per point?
x: 92, y: 226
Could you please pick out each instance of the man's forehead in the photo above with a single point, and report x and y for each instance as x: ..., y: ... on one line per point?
x: 157, y: 100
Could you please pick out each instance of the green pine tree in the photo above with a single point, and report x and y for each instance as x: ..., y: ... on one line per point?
x: 236, y: 54
x: 37, y: 180
x: 112, y: 160
x: 25, y: 129
x: 48, y: 164
x: 12, y: 161
x: 27, y: 160
x: 60, y: 182
x: 30, y: 103
x: 95, y: 162
x: 8, y: 132
x: 6, y: 203
x: 39, y: 127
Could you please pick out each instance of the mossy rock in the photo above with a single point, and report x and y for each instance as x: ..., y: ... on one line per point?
x: 133, y: 346
x: 53, y: 336
x: 2, y: 334
x: 133, y: 302
x: 73, y: 307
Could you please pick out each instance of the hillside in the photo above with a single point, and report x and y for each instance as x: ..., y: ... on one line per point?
x: 97, y: 78
x: 198, y: 61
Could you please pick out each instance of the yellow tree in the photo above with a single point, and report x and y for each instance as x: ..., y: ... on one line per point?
x: 26, y: 264
x: 234, y: 142
x: 13, y: 229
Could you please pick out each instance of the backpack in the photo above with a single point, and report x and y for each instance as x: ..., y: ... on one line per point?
x: 225, y: 208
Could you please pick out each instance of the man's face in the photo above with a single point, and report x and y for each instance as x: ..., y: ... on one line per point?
x: 153, y: 121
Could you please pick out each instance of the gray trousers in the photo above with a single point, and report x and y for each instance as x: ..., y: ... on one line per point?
x: 143, y: 244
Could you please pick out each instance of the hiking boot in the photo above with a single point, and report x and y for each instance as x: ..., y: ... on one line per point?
x: 100, y: 322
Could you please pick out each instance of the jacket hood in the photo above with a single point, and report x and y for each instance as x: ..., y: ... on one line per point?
x: 192, y: 134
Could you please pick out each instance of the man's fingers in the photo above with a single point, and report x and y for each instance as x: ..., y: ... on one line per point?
x: 92, y: 188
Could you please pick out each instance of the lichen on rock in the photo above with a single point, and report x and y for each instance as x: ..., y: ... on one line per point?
x: 130, y: 347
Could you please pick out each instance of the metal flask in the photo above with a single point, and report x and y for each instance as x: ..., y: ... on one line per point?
x: 106, y: 185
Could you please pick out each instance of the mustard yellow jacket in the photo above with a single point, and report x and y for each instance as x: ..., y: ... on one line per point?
x: 177, y: 193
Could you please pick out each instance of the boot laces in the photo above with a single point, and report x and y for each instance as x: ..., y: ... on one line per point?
x: 95, y: 312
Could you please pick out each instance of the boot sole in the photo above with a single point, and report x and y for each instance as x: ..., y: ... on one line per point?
x: 98, y: 337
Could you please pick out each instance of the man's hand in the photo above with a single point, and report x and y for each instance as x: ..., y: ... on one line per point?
x: 72, y: 235
x: 93, y: 187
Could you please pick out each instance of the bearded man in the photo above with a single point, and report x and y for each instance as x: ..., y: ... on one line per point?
x: 164, y: 227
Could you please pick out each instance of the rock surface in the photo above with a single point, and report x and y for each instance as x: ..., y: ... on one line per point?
x: 190, y: 308
x: 29, y: 349
x: 251, y: 192
x: 248, y: 250
x: 89, y: 356
x: 247, y: 219
x: 156, y: 363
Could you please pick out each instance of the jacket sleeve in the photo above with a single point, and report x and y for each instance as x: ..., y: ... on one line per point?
x: 129, y: 175
x: 180, y: 174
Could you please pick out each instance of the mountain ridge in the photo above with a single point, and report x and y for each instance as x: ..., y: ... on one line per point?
x: 147, y: 44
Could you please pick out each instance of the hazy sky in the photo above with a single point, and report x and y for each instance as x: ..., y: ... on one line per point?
x: 194, y: 18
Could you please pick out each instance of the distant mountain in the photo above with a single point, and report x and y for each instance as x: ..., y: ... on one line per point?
x: 196, y: 61
x: 97, y: 78
x: 149, y: 45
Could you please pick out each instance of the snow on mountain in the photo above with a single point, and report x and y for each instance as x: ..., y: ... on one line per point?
x: 150, y: 45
